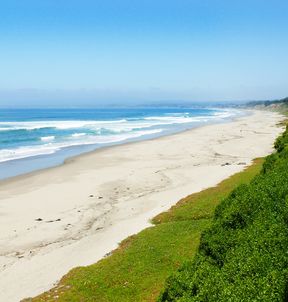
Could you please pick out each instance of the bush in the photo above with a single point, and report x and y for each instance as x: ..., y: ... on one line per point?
x: 243, y: 256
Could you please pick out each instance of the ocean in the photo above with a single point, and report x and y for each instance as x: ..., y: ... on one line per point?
x: 32, y: 139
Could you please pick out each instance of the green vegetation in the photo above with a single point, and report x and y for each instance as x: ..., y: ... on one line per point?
x: 243, y: 255
x: 275, y: 105
x: 137, y: 270
x: 270, y: 102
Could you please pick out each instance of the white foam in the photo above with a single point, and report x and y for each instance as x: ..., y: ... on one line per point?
x: 47, y: 138
x: 54, y: 124
x: 23, y: 152
x: 105, y: 132
x: 50, y: 148
x: 117, y: 125
x: 172, y: 120
x: 78, y: 134
x: 5, y: 129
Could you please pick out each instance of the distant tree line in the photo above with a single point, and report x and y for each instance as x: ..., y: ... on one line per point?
x: 268, y: 103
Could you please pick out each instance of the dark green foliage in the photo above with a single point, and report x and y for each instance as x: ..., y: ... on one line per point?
x: 281, y: 141
x: 243, y: 256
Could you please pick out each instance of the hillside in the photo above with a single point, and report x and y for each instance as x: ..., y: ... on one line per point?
x: 276, y: 105
x: 243, y: 255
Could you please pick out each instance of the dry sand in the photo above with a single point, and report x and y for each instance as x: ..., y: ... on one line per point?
x: 74, y: 214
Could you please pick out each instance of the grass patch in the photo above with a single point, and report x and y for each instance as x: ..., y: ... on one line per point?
x: 137, y: 270
x: 243, y: 254
x: 202, y: 205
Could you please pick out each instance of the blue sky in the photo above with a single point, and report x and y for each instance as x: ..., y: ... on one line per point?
x: 98, y: 51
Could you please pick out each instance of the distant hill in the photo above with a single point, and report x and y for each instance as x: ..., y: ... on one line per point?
x: 281, y: 104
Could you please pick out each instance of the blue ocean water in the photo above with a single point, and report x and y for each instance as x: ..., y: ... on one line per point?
x: 33, y: 139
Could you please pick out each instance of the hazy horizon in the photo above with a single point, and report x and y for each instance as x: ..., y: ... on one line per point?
x: 84, y: 99
x: 92, y: 53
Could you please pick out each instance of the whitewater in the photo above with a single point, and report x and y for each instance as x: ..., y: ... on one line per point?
x: 32, y: 139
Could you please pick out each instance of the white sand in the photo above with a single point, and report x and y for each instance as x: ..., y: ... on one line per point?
x: 137, y: 181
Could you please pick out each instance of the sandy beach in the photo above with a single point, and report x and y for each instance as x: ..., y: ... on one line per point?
x: 75, y: 214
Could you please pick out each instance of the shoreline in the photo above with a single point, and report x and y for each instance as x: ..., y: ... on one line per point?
x: 52, y: 163
x: 103, y: 196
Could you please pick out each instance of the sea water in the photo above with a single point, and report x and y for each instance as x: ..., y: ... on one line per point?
x: 32, y: 139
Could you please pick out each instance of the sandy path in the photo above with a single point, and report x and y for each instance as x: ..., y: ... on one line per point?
x: 72, y: 215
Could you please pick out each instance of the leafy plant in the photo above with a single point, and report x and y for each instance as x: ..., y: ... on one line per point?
x: 243, y: 256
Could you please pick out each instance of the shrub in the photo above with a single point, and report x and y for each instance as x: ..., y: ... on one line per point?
x: 243, y: 256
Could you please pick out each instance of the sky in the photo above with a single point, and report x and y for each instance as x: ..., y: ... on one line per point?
x: 61, y: 52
